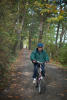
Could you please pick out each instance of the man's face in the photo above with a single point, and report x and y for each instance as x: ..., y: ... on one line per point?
x: 40, y: 49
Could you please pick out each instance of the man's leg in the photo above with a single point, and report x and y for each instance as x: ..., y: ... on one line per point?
x: 43, y: 70
x: 35, y: 71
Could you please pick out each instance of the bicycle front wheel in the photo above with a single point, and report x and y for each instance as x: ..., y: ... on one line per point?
x: 39, y: 87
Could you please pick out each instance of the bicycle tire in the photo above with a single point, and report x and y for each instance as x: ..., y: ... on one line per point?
x: 39, y: 87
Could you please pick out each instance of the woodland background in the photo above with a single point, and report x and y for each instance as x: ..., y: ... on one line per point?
x: 24, y: 23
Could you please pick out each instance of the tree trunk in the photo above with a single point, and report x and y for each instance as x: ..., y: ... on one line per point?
x: 41, y: 29
x: 22, y: 23
x: 61, y: 36
x: 17, y: 31
x: 19, y: 27
x: 15, y: 47
x: 30, y: 41
x: 64, y: 37
x: 21, y: 42
x: 58, y: 26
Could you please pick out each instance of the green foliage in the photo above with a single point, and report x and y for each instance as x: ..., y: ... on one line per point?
x: 6, y: 51
x: 63, y: 54
x: 56, y: 19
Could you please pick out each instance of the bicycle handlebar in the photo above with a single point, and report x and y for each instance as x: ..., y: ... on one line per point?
x: 40, y: 62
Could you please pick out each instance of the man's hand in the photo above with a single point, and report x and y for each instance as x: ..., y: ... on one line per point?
x: 47, y: 61
x: 34, y: 61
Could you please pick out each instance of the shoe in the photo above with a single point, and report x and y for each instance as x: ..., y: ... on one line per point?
x: 41, y: 77
x: 34, y: 81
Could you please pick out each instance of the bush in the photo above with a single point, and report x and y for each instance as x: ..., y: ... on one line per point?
x: 6, y: 52
x: 62, y: 57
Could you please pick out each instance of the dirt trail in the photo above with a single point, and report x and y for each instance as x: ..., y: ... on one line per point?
x: 20, y: 86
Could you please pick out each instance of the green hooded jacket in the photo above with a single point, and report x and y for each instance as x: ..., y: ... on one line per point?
x: 39, y: 56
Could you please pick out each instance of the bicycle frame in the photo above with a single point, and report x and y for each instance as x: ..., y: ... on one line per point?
x: 39, y: 77
x: 39, y: 72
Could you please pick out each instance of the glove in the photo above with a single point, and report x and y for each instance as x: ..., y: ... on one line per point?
x: 34, y: 61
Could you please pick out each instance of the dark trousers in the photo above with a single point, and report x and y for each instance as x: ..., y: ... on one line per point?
x: 36, y: 70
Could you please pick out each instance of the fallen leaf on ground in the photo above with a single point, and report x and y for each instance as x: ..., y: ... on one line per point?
x: 9, y: 96
x: 16, y: 97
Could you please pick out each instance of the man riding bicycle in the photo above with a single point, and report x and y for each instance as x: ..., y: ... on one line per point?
x: 39, y: 55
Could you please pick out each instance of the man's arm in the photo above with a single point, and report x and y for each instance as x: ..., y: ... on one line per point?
x: 46, y: 57
x: 32, y: 56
